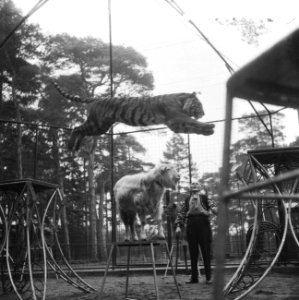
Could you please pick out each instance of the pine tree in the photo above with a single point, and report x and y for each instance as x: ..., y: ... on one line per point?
x: 177, y: 153
x: 86, y: 61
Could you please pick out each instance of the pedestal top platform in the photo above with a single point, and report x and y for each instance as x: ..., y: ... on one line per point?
x: 18, y: 185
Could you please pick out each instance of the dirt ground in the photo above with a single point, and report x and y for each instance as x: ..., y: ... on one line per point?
x: 276, y: 286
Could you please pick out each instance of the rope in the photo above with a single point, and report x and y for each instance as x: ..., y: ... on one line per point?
x: 30, y: 13
x: 40, y: 124
x: 179, y: 10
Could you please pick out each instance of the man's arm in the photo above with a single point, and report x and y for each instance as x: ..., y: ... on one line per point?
x: 182, y: 214
x: 213, y: 206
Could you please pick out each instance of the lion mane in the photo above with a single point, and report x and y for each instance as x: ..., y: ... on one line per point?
x: 141, y: 194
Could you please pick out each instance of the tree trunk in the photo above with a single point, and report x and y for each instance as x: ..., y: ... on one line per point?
x: 19, y: 130
x: 65, y: 228
x: 101, y: 226
x: 18, y: 116
x: 92, y: 205
x: 1, y: 90
x: 59, y: 177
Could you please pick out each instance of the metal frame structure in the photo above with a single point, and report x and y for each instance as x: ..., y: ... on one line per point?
x: 30, y: 218
x: 129, y: 245
x: 272, y: 78
x: 272, y: 219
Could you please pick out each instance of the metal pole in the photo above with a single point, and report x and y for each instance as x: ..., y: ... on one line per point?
x: 169, y: 225
x: 113, y: 207
x: 35, y: 152
x: 189, y: 159
x: 222, y: 218
x: 86, y: 208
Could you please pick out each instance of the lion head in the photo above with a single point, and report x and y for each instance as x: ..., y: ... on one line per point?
x: 167, y: 176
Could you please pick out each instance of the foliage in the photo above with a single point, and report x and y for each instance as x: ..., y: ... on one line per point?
x: 256, y: 136
x: 81, y: 66
x: 295, y: 143
x: 16, y: 59
x: 250, y: 29
x: 19, y: 73
x: 177, y: 153
x: 86, y: 61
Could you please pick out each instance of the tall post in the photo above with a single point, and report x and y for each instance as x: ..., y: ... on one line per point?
x: 113, y: 206
x: 169, y: 225
x: 189, y: 160
x: 35, y: 152
x: 222, y: 218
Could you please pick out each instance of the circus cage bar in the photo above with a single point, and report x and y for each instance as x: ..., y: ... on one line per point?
x: 270, y: 177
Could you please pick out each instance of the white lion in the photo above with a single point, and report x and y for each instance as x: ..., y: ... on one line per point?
x: 141, y: 194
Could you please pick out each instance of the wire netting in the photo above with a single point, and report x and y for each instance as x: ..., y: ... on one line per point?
x: 41, y: 152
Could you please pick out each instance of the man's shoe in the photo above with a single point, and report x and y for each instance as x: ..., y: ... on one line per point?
x: 209, y: 281
x: 192, y: 281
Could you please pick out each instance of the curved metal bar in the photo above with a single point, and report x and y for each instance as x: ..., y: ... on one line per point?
x: 31, y: 209
x: 86, y: 286
x: 292, y: 229
x: 291, y: 225
x: 265, y: 173
x: 28, y: 244
x: 273, y: 261
x: 4, y: 229
x: 8, y: 263
x: 53, y: 264
x: 66, y: 261
x: 239, y: 272
x: 290, y: 215
x: 43, y: 247
x: 244, y: 263
x: 11, y: 213
x: 61, y: 273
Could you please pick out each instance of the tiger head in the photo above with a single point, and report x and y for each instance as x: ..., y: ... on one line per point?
x: 193, y: 106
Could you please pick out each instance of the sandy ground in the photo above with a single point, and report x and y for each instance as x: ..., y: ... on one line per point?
x: 275, y: 286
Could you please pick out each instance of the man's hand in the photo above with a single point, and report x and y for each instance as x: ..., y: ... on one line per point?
x: 178, y: 232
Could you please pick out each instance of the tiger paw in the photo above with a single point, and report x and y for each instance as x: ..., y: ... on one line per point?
x: 205, y: 129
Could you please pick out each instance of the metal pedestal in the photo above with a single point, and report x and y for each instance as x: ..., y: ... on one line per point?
x: 267, y: 236
x: 30, y: 217
x: 150, y: 244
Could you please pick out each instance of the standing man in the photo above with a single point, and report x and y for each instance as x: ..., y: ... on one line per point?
x: 196, y: 210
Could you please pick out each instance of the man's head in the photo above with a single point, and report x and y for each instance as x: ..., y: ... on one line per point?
x: 195, y: 187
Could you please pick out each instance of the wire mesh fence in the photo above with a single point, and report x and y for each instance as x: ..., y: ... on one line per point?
x: 40, y: 152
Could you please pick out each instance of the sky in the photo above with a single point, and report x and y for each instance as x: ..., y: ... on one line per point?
x: 180, y: 60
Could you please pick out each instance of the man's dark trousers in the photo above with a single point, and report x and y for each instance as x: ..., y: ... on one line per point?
x: 199, y: 233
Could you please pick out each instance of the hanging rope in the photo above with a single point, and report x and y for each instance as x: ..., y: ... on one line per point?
x: 30, y: 13
x: 179, y: 10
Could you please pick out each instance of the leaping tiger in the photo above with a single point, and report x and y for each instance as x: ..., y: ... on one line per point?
x: 178, y: 111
